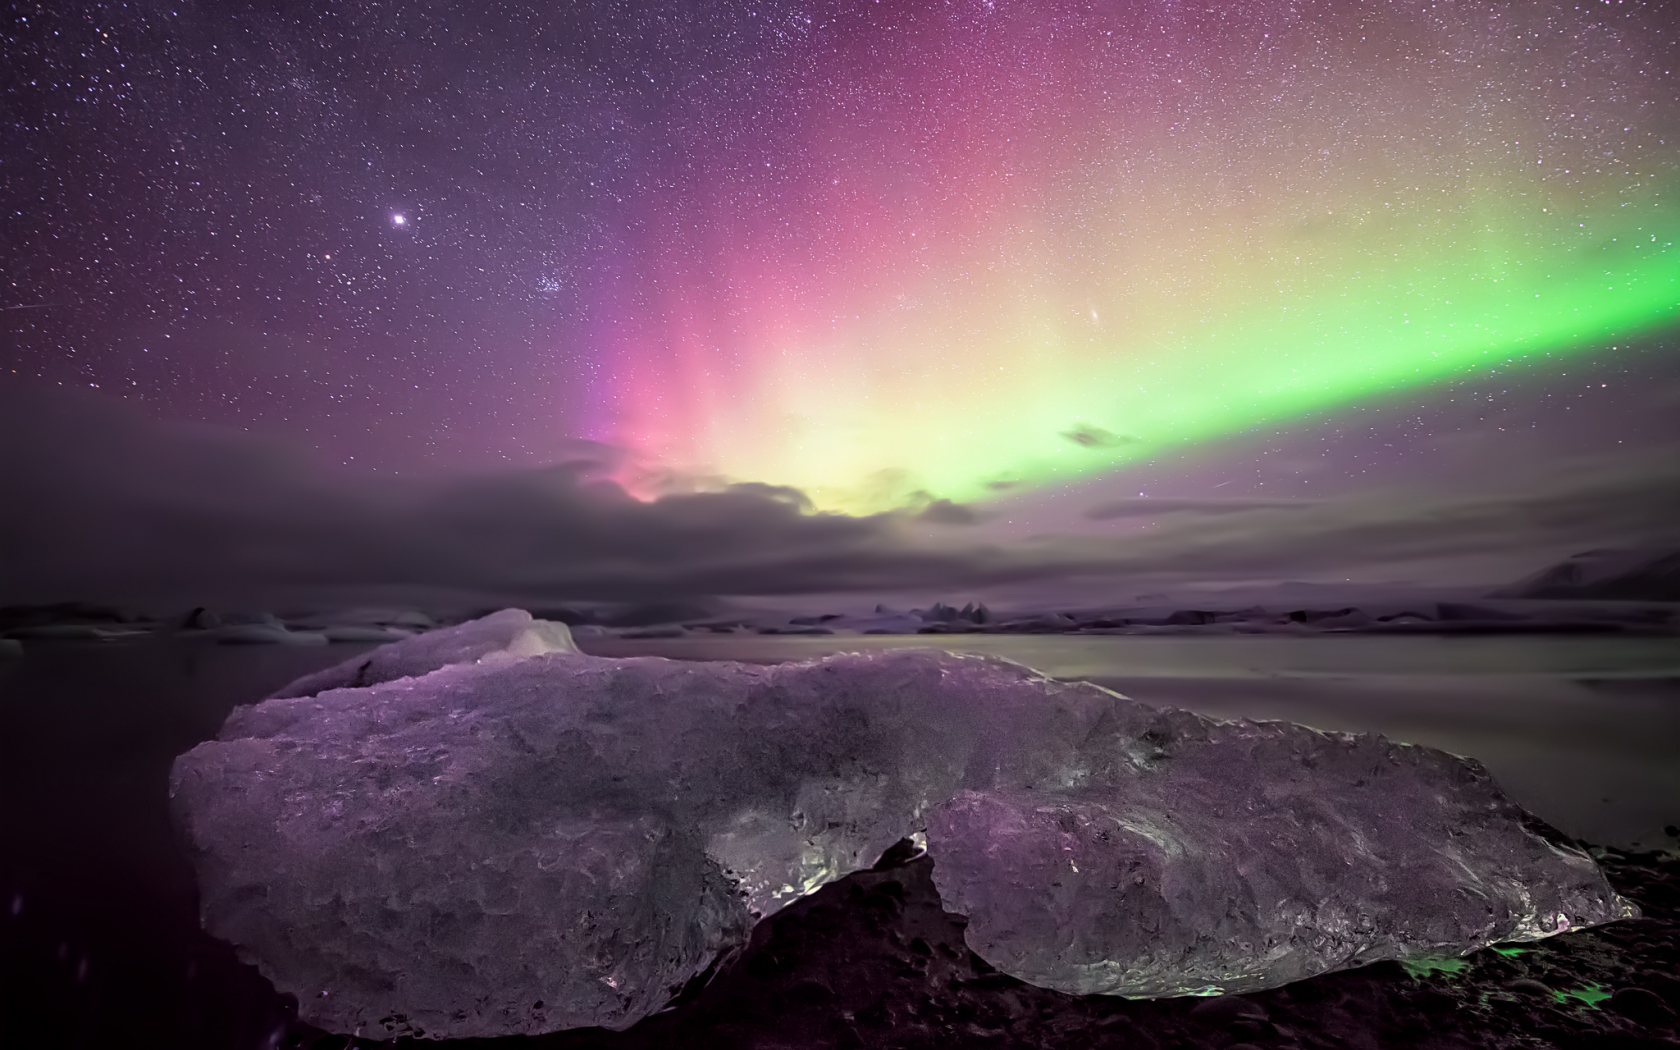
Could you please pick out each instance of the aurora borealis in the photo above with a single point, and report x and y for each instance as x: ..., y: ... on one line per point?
x: 987, y: 245
x: 878, y: 252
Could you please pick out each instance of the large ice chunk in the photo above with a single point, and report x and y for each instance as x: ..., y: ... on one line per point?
x: 524, y: 844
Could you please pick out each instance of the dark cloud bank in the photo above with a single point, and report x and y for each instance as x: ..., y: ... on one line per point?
x: 101, y: 503
x: 1146, y: 507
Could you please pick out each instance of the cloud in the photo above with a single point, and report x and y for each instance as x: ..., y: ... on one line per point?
x: 1626, y: 499
x: 102, y: 503
x: 110, y: 504
x: 945, y: 512
x: 1087, y: 436
x: 1149, y: 507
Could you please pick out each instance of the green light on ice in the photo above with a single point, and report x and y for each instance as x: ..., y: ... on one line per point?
x: 1425, y: 967
x: 1590, y: 995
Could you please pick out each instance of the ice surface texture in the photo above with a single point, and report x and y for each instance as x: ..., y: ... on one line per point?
x: 520, y: 845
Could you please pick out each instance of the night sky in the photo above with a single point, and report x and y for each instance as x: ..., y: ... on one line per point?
x: 1032, y: 258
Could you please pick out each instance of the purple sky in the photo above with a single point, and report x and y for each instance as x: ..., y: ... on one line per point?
x: 174, y: 178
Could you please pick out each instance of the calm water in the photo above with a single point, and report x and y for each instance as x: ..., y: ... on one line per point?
x: 1231, y: 656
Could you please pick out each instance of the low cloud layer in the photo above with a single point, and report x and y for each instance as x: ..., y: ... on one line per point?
x: 101, y: 503
x: 1146, y: 507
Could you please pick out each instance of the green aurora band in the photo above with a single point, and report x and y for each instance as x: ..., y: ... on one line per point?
x: 976, y: 257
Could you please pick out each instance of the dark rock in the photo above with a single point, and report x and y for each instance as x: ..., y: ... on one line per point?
x: 1224, y: 1010
x: 898, y: 854
x: 1315, y: 615
x: 61, y: 632
x: 891, y: 888
x: 13, y: 616
x: 1666, y: 985
x: 991, y: 979
x: 200, y: 619
x: 941, y: 613
x: 810, y: 993
x: 1643, y: 1006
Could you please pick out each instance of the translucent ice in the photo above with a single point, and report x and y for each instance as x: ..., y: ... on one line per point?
x: 507, y: 842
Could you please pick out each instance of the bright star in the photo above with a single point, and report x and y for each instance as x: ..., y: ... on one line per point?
x: 399, y: 219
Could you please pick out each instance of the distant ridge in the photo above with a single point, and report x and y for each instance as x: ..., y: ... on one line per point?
x: 1619, y: 575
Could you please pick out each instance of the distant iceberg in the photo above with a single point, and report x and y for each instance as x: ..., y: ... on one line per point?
x: 1612, y: 575
x: 481, y: 832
